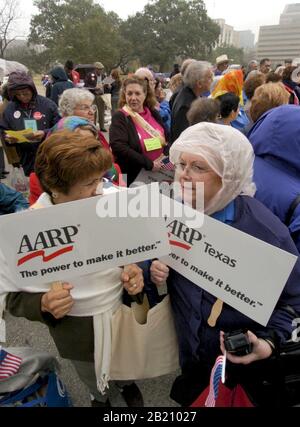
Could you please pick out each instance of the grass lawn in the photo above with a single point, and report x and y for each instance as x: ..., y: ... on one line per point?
x: 38, y: 84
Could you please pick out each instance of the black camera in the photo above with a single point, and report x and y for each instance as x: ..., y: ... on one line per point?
x: 237, y: 343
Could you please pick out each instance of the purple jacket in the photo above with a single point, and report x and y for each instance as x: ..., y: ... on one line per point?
x: 276, y: 143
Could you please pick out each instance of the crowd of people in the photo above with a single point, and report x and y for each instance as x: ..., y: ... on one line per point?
x: 232, y: 128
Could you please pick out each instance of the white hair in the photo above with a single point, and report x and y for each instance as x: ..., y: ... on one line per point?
x: 185, y: 65
x: 72, y: 97
x: 253, y: 62
x: 253, y: 73
x: 195, y: 71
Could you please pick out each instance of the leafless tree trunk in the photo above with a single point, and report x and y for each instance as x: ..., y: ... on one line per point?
x: 9, y: 13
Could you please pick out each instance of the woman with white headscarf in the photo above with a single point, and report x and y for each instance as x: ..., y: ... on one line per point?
x: 222, y: 158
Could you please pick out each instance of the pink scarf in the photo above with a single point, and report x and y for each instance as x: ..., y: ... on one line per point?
x: 147, y: 116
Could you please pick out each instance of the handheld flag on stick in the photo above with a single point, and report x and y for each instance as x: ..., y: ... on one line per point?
x: 9, y: 364
x: 217, y: 374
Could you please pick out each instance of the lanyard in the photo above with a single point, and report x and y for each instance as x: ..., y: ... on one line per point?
x: 28, y: 115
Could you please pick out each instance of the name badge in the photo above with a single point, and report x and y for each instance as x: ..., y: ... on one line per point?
x: 152, y: 144
x: 30, y: 124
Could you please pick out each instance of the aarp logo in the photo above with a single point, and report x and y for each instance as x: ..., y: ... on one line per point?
x: 48, y: 244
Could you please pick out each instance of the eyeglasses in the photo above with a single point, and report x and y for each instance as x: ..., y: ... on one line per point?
x: 92, y: 108
x: 193, y: 169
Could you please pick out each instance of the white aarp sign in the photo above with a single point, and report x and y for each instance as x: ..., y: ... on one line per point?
x: 148, y: 177
x: 78, y: 238
x: 241, y: 270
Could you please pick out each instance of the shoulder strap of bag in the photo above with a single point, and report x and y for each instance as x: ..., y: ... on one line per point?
x: 2, y: 321
x: 23, y: 393
x: 292, y: 209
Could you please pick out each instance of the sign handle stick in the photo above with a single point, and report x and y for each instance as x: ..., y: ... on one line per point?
x: 57, y: 286
x: 215, y: 313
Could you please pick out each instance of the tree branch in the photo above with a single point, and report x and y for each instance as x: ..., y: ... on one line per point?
x: 8, y: 15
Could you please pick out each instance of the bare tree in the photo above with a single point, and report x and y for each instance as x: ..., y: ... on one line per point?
x: 9, y: 13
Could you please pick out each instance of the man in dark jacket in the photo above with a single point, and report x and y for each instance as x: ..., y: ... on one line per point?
x: 73, y: 75
x: 27, y: 110
x: 176, y: 70
x: 197, y: 80
x: 183, y: 68
x: 60, y: 83
x: 94, y: 83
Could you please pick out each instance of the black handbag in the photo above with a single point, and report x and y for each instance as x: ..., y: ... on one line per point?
x: 276, y: 381
x: 287, y: 361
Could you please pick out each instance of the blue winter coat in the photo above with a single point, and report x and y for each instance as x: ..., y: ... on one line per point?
x: 275, y: 138
x: 60, y: 83
x: 242, y: 120
x: 11, y: 200
x: 165, y: 114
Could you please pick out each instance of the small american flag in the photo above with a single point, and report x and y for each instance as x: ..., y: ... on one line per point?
x: 9, y: 364
x: 167, y: 165
x: 217, y: 374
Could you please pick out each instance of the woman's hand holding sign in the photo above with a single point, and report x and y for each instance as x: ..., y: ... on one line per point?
x: 58, y: 301
x: 132, y: 278
x: 159, y: 273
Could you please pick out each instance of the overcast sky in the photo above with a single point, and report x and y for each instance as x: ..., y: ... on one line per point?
x: 241, y: 14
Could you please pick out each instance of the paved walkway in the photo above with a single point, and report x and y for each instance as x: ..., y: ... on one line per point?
x: 21, y: 332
